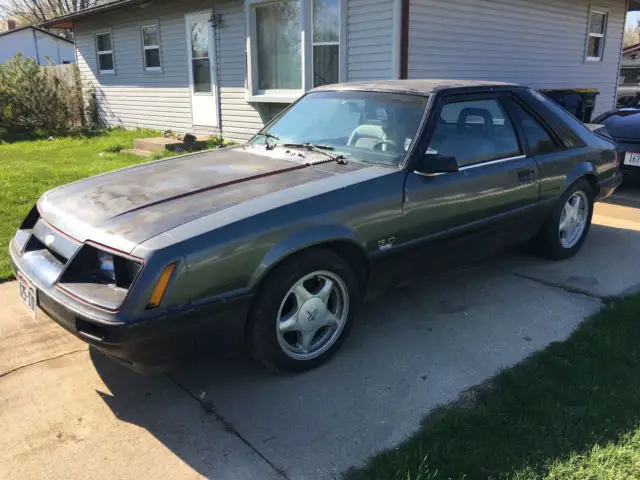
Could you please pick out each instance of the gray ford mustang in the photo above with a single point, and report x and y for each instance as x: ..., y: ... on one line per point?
x: 276, y: 240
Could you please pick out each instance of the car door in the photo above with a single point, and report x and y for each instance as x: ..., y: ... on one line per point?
x: 497, y: 184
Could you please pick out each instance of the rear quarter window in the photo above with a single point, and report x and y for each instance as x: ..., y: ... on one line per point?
x: 567, y: 127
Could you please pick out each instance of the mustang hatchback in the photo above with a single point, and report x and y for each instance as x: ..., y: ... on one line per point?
x: 275, y: 240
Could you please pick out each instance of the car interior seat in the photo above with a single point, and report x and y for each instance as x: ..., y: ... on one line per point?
x: 370, y: 132
x: 473, y: 140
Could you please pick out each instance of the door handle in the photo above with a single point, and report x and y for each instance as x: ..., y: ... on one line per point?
x: 526, y: 176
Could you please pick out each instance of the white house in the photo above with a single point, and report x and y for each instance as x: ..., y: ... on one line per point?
x: 227, y: 66
x: 629, y: 85
x: 34, y: 42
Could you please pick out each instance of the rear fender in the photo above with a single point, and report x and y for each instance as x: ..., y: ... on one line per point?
x: 303, y: 239
x: 582, y: 170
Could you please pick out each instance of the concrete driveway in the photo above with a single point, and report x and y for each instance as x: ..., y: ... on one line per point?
x: 68, y: 412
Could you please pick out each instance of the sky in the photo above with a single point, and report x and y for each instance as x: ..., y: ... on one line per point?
x: 632, y: 19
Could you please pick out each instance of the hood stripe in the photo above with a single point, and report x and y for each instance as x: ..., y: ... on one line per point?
x: 215, y: 187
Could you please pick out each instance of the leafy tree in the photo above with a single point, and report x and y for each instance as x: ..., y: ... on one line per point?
x: 36, y: 99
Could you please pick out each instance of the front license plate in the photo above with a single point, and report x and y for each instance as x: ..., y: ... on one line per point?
x: 632, y: 159
x: 28, y: 295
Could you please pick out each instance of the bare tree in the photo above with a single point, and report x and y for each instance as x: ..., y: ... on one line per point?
x: 34, y: 12
x: 631, y: 36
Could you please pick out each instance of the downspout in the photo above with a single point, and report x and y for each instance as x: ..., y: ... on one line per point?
x: 404, y: 41
x: 400, y: 35
x: 35, y: 42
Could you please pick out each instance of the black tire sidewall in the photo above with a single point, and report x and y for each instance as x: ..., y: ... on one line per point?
x: 549, y: 240
x: 262, y: 321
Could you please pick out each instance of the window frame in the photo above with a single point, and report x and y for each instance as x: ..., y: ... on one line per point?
x: 252, y: 93
x: 471, y: 97
x: 105, y: 52
x: 339, y: 43
x: 514, y: 101
x: 147, y: 69
x: 602, y: 36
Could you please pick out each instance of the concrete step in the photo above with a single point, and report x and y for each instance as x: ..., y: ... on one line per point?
x: 136, y: 151
x: 160, y: 144
x: 156, y: 144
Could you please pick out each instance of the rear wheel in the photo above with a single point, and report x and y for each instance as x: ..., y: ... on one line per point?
x: 303, y: 311
x: 566, y: 229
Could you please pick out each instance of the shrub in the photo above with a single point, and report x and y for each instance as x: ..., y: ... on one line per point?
x: 39, y: 99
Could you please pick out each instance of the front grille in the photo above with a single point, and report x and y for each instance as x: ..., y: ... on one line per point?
x: 35, y: 244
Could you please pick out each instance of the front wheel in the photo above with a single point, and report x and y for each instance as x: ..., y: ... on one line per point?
x: 303, y: 311
x: 565, y: 231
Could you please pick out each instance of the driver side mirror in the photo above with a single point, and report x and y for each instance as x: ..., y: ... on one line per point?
x: 433, y: 163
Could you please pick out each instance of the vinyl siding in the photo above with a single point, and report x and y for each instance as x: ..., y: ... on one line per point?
x: 161, y: 100
x: 370, y: 40
x: 540, y: 44
x: 49, y: 49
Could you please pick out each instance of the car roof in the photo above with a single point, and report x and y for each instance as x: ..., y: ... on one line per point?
x: 415, y: 87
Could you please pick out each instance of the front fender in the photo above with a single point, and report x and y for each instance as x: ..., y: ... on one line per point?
x: 301, y: 240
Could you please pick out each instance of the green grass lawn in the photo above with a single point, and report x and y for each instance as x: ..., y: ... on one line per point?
x: 571, y: 411
x: 28, y: 168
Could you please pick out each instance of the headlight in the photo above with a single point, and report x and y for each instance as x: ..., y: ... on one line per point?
x: 106, y: 265
x: 95, y: 265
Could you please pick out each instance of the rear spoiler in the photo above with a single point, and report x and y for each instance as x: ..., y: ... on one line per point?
x: 600, y: 130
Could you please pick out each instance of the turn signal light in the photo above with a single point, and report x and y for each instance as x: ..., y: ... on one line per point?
x: 161, y: 286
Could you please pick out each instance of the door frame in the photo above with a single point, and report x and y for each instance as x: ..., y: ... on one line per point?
x: 213, y: 66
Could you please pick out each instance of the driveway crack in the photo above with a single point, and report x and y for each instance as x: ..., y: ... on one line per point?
x: 4, y: 374
x: 561, y: 287
x: 210, y: 409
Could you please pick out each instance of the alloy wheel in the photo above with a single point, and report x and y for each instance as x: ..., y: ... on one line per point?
x: 312, y: 315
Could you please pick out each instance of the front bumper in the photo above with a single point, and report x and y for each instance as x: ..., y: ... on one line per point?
x: 153, y: 343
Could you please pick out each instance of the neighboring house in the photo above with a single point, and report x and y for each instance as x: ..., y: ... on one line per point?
x: 228, y: 66
x: 629, y: 84
x: 36, y: 43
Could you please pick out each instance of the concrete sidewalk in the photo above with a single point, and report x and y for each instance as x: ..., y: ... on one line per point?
x: 68, y: 412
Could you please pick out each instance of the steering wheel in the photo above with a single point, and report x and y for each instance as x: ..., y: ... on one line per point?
x: 378, y: 145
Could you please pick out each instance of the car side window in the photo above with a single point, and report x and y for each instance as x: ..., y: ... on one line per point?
x: 474, y: 131
x: 538, y: 138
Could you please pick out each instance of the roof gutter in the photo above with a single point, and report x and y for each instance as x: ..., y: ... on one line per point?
x: 66, y: 21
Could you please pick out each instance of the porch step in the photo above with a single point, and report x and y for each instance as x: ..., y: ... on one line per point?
x: 135, y: 151
x: 160, y: 144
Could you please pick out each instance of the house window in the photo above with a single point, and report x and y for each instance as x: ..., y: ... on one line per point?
x: 279, y: 46
x: 294, y: 45
x: 200, y: 61
x: 596, y: 34
x: 104, y: 47
x: 151, y: 47
x: 326, y: 42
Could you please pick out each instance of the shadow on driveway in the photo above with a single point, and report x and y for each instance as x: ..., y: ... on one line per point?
x: 413, y: 349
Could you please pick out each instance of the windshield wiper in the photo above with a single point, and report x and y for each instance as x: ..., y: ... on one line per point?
x: 268, y: 136
x: 319, y: 148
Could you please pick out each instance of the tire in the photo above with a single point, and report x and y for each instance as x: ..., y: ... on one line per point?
x: 548, y: 242
x: 277, y: 308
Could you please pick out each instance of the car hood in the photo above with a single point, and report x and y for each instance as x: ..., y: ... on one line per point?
x: 623, y: 124
x: 124, y: 208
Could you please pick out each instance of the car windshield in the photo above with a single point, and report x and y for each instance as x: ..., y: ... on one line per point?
x: 374, y: 127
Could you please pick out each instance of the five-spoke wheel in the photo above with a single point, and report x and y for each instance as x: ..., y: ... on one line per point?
x: 304, y: 311
x: 568, y: 224
x: 312, y: 315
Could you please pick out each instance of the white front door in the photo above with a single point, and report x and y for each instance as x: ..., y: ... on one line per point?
x: 202, y: 70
